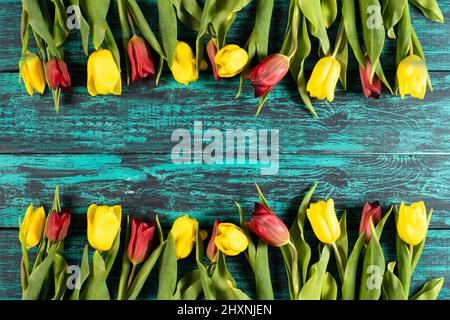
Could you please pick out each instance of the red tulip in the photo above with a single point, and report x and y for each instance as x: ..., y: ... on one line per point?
x: 140, y: 59
x: 140, y: 240
x: 57, y: 74
x: 370, y: 89
x: 57, y: 225
x: 266, y: 74
x: 211, y: 250
x: 267, y: 226
x: 211, y: 50
x: 370, y: 211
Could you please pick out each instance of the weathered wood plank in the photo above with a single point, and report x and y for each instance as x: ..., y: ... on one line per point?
x: 152, y: 183
x: 144, y: 117
x: 431, y: 34
x: 434, y: 263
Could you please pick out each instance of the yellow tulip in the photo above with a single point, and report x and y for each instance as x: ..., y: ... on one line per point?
x: 183, y: 66
x: 230, y: 239
x: 412, y: 77
x: 103, y: 226
x: 32, y: 73
x: 183, y: 232
x: 324, y: 78
x: 412, y: 222
x: 33, y: 226
x: 323, y: 220
x: 230, y: 60
x: 103, y: 74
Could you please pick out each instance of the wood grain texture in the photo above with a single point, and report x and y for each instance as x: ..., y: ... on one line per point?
x: 431, y: 34
x: 116, y: 150
x: 143, y: 118
x: 152, y: 183
x: 433, y: 264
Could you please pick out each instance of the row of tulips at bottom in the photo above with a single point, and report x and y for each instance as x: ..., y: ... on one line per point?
x: 363, y: 273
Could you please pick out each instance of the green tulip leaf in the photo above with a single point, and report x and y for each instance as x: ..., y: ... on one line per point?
x: 189, y: 13
x: 351, y: 31
x: 96, y: 287
x: 126, y: 265
x: 430, y: 9
x: 224, y: 283
x: 205, y: 23
x: 298, y: 238
x: 144, y: 272
x: 392, y: 287
x: 83, y: 275
x: 60, y: 276
x: 167, y: 28
x: 342, y: 55
x: 349, y: 281
x: 417, y: 252
x: 372, y: 30
x: 111, y: 254
x: 313, y: 14
x: 38, y: 275
x: 430, y: 290
x: 312, y: 290
x: 39, y: 24
x: 144, y: 28
x: 329, y: 288
x: 342, y: 241
x: 329, y: 11
x: 189, y: 287
x: 168, y: 270
x: 372, y: 269
x: 82, y: 24
x: 392, y: 12
x: 207, y: 283
x: 126, y: 33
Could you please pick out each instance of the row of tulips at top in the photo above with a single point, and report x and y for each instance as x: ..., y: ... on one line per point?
x: 363, y: 273
x: 306, y: 19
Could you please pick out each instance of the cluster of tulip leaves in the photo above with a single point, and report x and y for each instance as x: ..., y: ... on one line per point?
x: 49, y: 35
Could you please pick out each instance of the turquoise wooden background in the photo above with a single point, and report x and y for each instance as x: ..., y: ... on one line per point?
x: 116, y: 150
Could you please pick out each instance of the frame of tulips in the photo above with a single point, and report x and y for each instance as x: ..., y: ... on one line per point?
x: 308, y: 20
x: 47, y: 277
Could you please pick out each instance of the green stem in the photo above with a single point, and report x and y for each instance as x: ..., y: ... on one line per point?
x: 131, y: 277
x: 130, y: 21
x: 339, y: 38
x: 340, y: 264
x: 294, y: 270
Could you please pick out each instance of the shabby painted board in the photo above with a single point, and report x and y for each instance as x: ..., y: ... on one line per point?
x: 111, y: 150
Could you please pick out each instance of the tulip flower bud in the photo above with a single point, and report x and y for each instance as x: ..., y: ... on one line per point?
x: 412, y: 77
x: 412, y: 223
x: 211, y: 50
x: 57, y: 74
x: 103, y: 74
x: 324, y: 77
x: 230, y: 60
x: 140, y: 59
x: 371, y: 211
x: 183, y: 232
x: 211, y: 250
x: 103, y: 226
x: 33, y: 226
x: 140, y: 240
x: 183, y: 66
x: 370, y: 88
x: 268, y: 227
x: 32, y: 73
x: 266, y: 74
x: 323, y: 220
x: 57, y: 225
x: 230, y: 239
